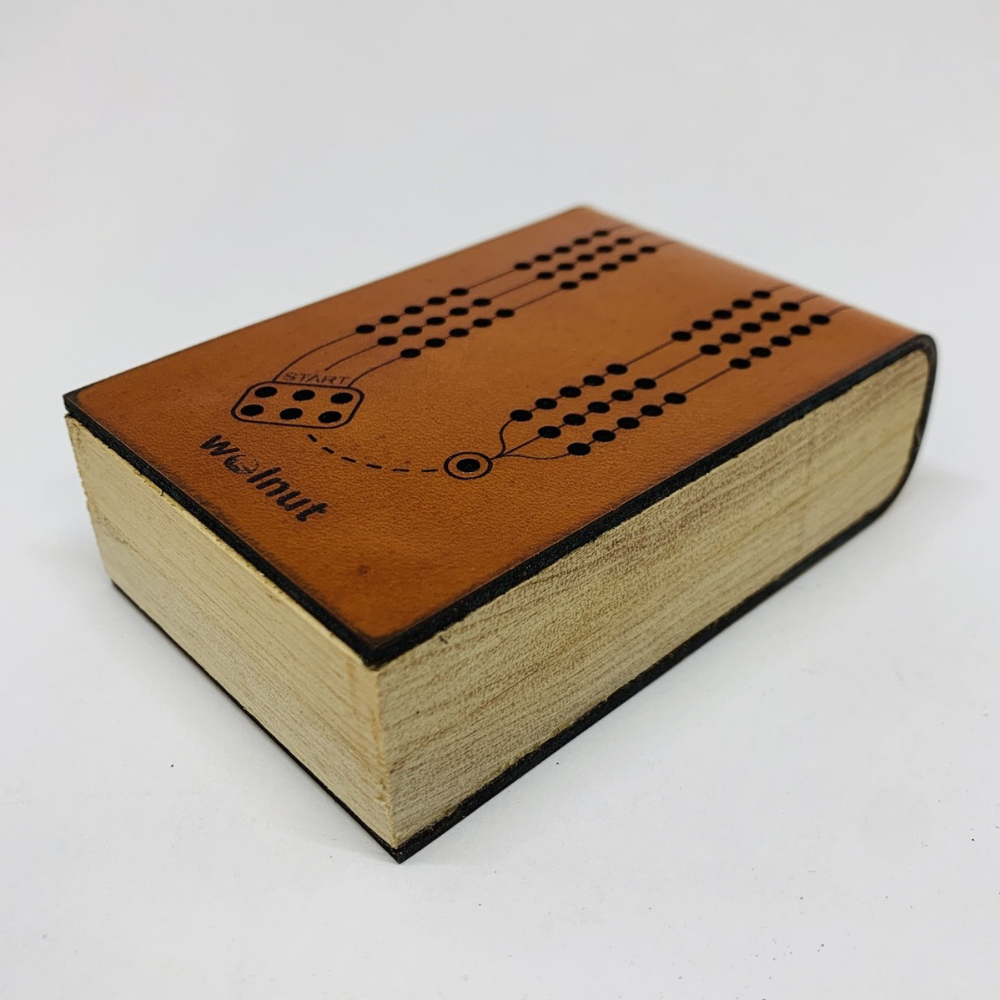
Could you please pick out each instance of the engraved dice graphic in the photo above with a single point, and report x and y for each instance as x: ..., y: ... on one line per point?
x: 291, y: 404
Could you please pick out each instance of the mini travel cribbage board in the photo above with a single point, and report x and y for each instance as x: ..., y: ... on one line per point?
x: 426, y: 530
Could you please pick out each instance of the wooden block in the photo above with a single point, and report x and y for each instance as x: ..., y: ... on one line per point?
x: 427, y: 530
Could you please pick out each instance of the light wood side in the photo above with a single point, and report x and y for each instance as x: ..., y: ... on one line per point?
x: 288, y: 671
x: 464, y: 706
x: 403, y: 745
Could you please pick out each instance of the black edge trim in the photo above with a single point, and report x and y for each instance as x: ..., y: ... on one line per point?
x: 377, y: 655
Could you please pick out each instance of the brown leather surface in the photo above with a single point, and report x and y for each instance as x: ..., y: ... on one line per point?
x: 421, y: 487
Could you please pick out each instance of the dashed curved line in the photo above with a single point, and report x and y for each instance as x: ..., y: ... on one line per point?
x: 360, y: 462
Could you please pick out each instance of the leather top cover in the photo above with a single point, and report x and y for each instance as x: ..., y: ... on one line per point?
x: 398, y: 454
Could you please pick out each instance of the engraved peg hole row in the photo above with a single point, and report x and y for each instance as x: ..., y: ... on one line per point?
x: 651, y: 409
x: 503, y: 313
x: 722, y: 315
x: 459, y: 293
x: 626, y: 244
x: 480, y: 301
x: 594, y: 263
x: 760, y: 352
x: 624, y: 395
x: 289, y: 413
x: 577, y: 244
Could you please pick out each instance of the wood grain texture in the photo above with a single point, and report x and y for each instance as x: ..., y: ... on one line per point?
x: 289, y: 672
x: 460, y: 709
x: 405, y: 746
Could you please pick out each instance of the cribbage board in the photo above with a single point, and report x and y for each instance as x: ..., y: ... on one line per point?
x: 402, y: 458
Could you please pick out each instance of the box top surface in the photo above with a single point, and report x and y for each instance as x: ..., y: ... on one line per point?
x: 397, y: 454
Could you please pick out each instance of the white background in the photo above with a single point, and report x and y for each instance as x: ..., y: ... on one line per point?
x: 808, y: 807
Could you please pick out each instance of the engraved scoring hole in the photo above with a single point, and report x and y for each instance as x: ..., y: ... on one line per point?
x: 468, y: 465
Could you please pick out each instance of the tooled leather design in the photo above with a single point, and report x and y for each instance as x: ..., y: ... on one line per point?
x: 292, y: 398
x: 560, y: 371
x: 577, y: 417
x: 596, y: 410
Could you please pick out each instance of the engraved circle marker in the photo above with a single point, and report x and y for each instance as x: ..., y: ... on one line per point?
x: 468, y: 465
